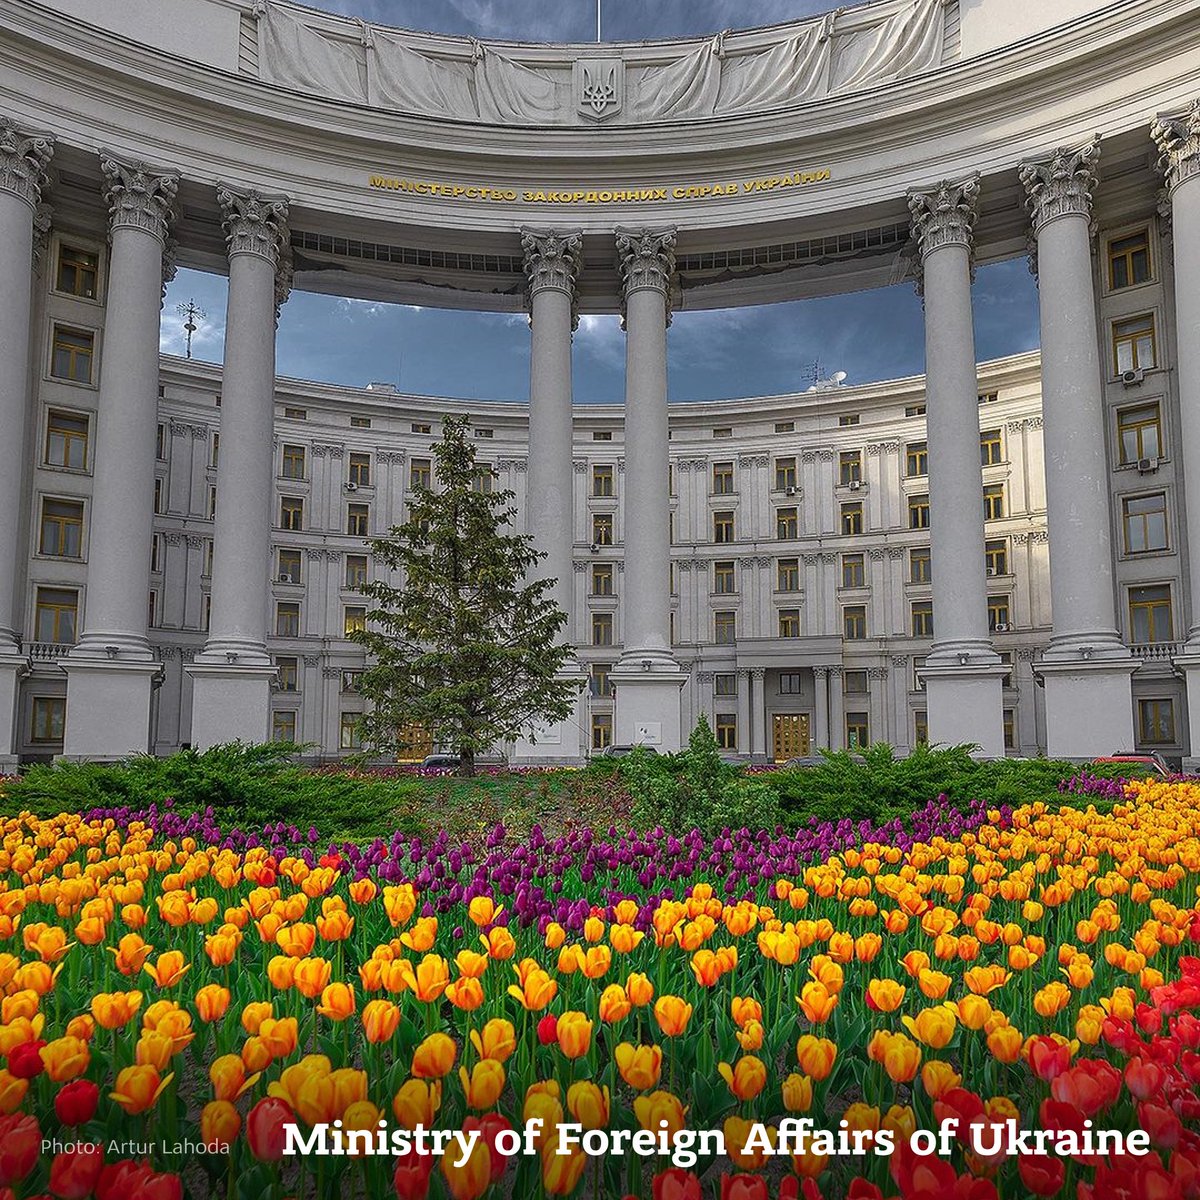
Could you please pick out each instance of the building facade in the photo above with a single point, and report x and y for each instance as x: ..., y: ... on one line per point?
x: 1001, y: 554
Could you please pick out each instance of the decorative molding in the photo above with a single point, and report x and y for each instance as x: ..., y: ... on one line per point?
x: 820, y: 672
x: 1020, y: 537
x: 258, y: 225
x: 810, y: 560
x: 1062, y: 184
x: 875, y: 553
x: 166, y: 653
x: 945, y: 215
x: 890, y: 447
x: 580, y: 466
x: 705, y: 677
x: 1039, y: 537
x: 579, y: 567
x: 897, y: 552
x: 827, y: 556
x: 1027, y: 653
x: 172, y: 537
x: 877, y: 672
x: 758, y: 674
x: 391, y: 456
x: 137, y: 197
x: 753, y: 460
x: 331, y: 672
x: 312, y: 660
x: 314, y: 554
x: 900, y: 662
x: 1177, y: 136
x: 187, y: 429
x: 553, y: 262
x: 24, y: 157
x: 43, y: 222
x: 646, y: 259
x: 195, y: 541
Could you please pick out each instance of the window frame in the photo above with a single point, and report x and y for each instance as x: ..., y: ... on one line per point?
x: 787, y: 575
x: 918, y: 510
x: 57, y: 706
x: 1150, y: 607
x: 1125, y: 526
x: 1138, y: 429
x: 991, y: 448
x: 42, y: 606
x: 916, y: 454
x: 724, y: 577
x: 80, y: 246
x: 789, y: 623
x: 63, y: 523
x: 922, y: 609
x: 1132, y: 339
x: 854, y: 622
x: 723, y: 483
x: 604, y: 530
x: 923, y: 555
x: 859, y: 579
x: 723, y: 528
x: 69, y: 437
x: 288, y: 459
x: 786, y: 474
x: 725, y: 627
x: 994, y: 503
x: 291, y: 514
x: 1147, y: 738
x: 851, y: 519
x: 787, y: 523
x: 1112, y: 257
x: 359, y: 469
x: 288, y: 609
x: 92, y: 353
x: 850, y: 468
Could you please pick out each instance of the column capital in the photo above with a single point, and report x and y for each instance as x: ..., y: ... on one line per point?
x: 1177, y: 136
x: 945, y: 214
x: 646, y: 259
x: 24, y: 157
x: 258, y: 225
x: 1061, y: 185
x: 552, y: 259
x: 138, y: 197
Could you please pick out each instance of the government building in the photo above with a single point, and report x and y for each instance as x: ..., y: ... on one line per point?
x: 1003, y: 553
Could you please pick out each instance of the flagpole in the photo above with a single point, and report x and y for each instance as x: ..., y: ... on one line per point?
x: 597, y: 22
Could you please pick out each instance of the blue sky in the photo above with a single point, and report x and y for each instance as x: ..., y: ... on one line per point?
x: 713, y: 354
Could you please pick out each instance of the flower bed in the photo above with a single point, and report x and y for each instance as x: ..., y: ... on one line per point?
x: 169, y: 985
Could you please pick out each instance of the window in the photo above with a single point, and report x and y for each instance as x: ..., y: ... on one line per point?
x: 850, y: 467
x: 921, y: 727
x: 602, y: 629
x: 289, y: 566
x: 206, y: 611
x: 602, y: 529
x: 725, y: 684
x: 420, y: 473
x: 1150, y: 614
x: 785, y: 426
x: 422, y: 427
x: 67, y: 440
x: 989, y: 448
x: 352, y: 680
x: 600, y: 685
x: 998, y: 613
x: 350, y: 731
x: 602, y: 481
x: 922, y: 618
x: 854, y: 573
x: 993, y: 502
x: 785, y: 474
x: 724, y: 579
x: 152, y: 611
x: 787, y: 524
x: 1156, y: 722
x: 918, y: 682
x: 1145, y: 520
x: 283, y: 726
x: 291, y: 513
x: 790, y: 683
x: 73, y: 353
x: 849, y: 419
x: 78, y: 272
x: 287, y: 618
x: 722, y: 479
x: 155, y: 553
x: 289, y: 674
x: 789, y: 622
x: 1010, y: 729
x: 1133, y: 344
x: 484, y: 432
x: 854, y: 622
x: 356, y: 570
x: 852, y: 518
x: 484, y: 478
x: 987, y: 397
x: 1139, y: 432
x: 206, y: 566
x: 215, y: 452
x: 726, y: 731
x: 1129, y: 260
x: 602, y: 579
x: 158, y: 498
x: 918, y: 512
x: 601, y: 435
x: 160, y: 443
x: 358, y: 520
x: 360, y: 422
x: 996, y: 557
x: 62, y: 528
x: 291, y: 414
x: 601, y: 730
x: 914, y: 410
x: 916, y: 459
x: 724, y: 628
x: 293, y: 462
x: 856, y: 729
x: 723, y: 527
x: 55, y: 615
x: 920, y: 567
x: 787, y: 575
x: 854, y: 683
x: 723, y: 431
x: 1006, y: 681
x: 49, y: 717
x: 360, y: 470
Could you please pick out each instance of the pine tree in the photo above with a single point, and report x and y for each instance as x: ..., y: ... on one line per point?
x: 467, y: 648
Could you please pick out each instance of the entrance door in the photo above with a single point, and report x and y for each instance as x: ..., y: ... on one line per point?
x: 791, y: 736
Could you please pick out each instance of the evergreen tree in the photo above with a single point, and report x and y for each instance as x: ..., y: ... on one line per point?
x: 467, y: 648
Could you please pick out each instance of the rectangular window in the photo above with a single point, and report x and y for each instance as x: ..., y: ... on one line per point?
x: 356, y: 570
x: 602, y: 481
x: 206, y: 611
x: 422, y: 427
x: 849, y: 419
x: 602, y: 629
x: 725, y: 628
x: 360, y: 422
x: 350, y: 731
x: 790, y: 683
x: 352, y: 680
x: 78, y: 272
x: 787, y: 575
x: 358, y: 520
x: 293, y: 462
x: 1156, y: 722
x: 160, y: 443
x: 789, y: 622
x: 785, y: 474
x: 62, y: 528
x: 485, y: 476
x: 852, y: 517
x: 916, y: 459
x: 55, y: 615
x: 996, y: 556
x: 850, y: 467
x: 289, y: 565
x: 1150, y: 614
x: 989, y: 448
x: 289, y: 674
x: 601, y: 435
x: 602, y: 579
x: 921, y: 727
x: 1129, y: 260
x: 854, y: 622
x: 49, y: 718
x: 922, y: 618
x: 918, y: 682
x: 283, y: 726
x: 206, y: 566
x: 1010, y: 729
x: 291, y: 513
x: 601, y: 730
x: 214, y: 454
x: 420, y: 473
x: 854, y: 573
x: 918, y: 512
x: 1145, y: 521
x: 1006, y: 658
x: 920, y: 567
x: 360, y: 470
x: 726, y: 731
x: 785, y: 426
x: 600, y: 686
x: 722, y: 527
x: 914, y: 410
x: 158, y: 497
x: 723, y: 431
x: 290, y: 414
x: 602, y: 529
x: 287, y: 618
x: 988, y: 397
x: 854, y: 683
x: 1139, y: 432
x: 993, y: 502
x: 1133, y: 344
x: 856, y: 730
x: 74, y: 350
x: 724, y: 579
x: 67, y: 440
x: 725, y: 684
x: 787, y: 524
x: 999, y: 618
x: 484, y: 432
x: 155, y: 553
x: 722, y: 479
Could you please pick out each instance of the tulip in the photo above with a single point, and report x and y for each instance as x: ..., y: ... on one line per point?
x: 672, y: 1015
x: 411, y: 1176
x: 20, y: 1144
x: 380, y: 1020
x: 574, y: 1034
x: 465, y: 994
x: 588, y: 1104
x: 536, y: 991
x: 265, y: 1131
x: 470, y: 1180
x: 170, y: 968
x: 639, y: 989
x: 797, y: 1093
x: 220, y: 1123
x: 483, y: 911
x: 815, y: 1056
x: 428, y: 980
x: 337, y: 1002
x: 483, y: 1084
x: 12, y: 1092
x: 640, y: 1066
x: 115, y: 1009
x: 1041, y: 1174
x: 746, y: 1078
x: 938, y: 1078
x: 497, y: 1040
x: 562, y: 1166
x: 817, y: 1002
x: 25, y: 1060
x: 543, y: 1103
x: 885, y: 995
x: 417, y: 1103
x: 677, y: 1184
x: 660, y: 1111
x: 738, y: 1135
x: 212, y: 1002
x: 138, y: 1088
x: 434, y: 1057
x: 901, y: 1058
x: 933, y: 1027
x: 65, y: 1058
x: 614, y: 1004
x: 75, y: 1173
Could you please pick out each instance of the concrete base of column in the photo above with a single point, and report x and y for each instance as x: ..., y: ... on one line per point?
x: 13, y: 668
x: 108, y: 708
x: 1189, y: 666
x: 1089, y: 707
x: 647, y: 707
x: 964, y: 705
x: 230, y: 703
x: 564, y: 741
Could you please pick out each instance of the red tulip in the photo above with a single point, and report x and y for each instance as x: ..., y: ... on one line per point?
x: 1144, y: 1079
x: 677, y: 1184
x: 547, y: 1030
x: 73, y: 1174
x: 118, y: 1180
x: 411, y: 1177
x: 25, y: 1060
x: 75, y: 1103
x: 744, y: 1187
x: 265, y: 1128
x: 1161, y: 1123
x: 490, y: 1126
x: 1042, y: 1174
x: 863, y: 1189
x: 20, y: 1144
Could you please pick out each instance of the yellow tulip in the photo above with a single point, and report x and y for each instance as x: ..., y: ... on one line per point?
x: 434, y: 1057
x: 640, y: 1066
x: 746, y: 1078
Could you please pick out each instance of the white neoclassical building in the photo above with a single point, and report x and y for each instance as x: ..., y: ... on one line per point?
x: 1006, y: 554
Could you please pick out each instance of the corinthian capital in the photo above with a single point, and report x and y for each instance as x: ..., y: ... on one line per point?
x: 646, y: 259
x: 945, y: 215
x: 1061, y: 185
x: 1177, y: 136
x: 24, y: 157
x: 137, y: 197
x: 254, y: 224
x: 552, y: 260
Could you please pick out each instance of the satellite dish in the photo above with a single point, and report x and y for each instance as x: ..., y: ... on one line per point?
x: 838, y: 376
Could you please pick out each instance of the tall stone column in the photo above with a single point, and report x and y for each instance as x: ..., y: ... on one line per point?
x: 23, y: 159
x: 112, y: 671
x: 1086, y: 668
x: 647, y: 677
x: 552, y: 264
x: 1177, y: 136
x: 231, y: 679
x: 962, y: 672
x: 820, y: 728
x: 758, y: 715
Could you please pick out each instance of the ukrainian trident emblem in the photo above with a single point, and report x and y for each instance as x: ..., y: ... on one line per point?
x: 599, y: 86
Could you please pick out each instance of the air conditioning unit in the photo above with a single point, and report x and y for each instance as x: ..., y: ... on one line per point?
x: 790, y: 491
x: 1147, y: 466
x: 286, y: 577
x: 352, y: 487
x: 595, y: 547
x: 1000, y: 627
x: 1133, y: 378
x: 991, y: 570
x: 854, y: 484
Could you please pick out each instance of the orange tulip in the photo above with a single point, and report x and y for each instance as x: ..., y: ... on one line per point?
x: 672, y: 1015
x: 138, y: 1089
x: 746, y: 1078
x: 640, y: 1066
x: 212, y: 1002
x: 815, y: 1056
x: 337, y: 1002
x: 574, y: 1034
x: 380, y: 1020
x: 434, y: 1057
x: 483, y: 1084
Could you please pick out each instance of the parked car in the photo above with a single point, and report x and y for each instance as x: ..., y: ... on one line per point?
x: 622, y: 751
x: 807, y: 760
x: 1152, y: 764
x: 442, y: 760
